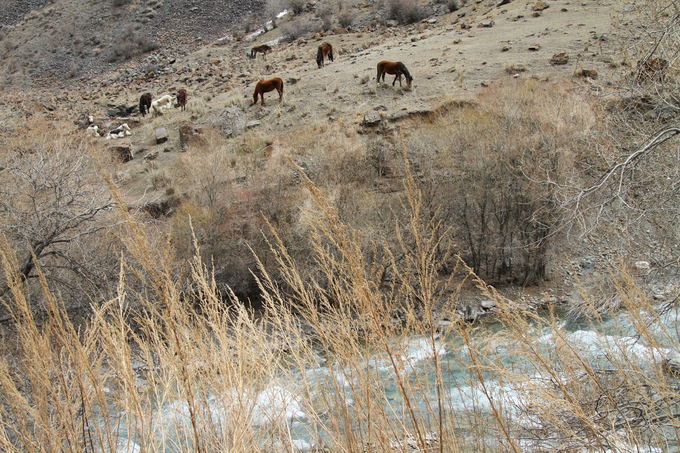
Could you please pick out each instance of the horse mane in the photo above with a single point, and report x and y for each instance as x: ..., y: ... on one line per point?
x: 402, y: 66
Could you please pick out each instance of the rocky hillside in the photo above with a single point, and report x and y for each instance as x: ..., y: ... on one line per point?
x: 77, y: 39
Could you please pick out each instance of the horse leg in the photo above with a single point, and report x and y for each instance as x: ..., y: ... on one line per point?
x: 395, y: 79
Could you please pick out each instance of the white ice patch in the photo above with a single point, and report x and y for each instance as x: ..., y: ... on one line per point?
x: 608, y: 347
x: 418, y: 349
x: 276, y: 403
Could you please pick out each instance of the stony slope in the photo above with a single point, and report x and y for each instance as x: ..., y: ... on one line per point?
x: 77, y: 39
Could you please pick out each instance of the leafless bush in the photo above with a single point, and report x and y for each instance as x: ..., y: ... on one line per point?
x: 346, y: 18
x: 300, y: 27
x: 405, y: 11
x: 129, y: 43
x: 296, y: 6
x: 53, y: 203
x: 325, y: 12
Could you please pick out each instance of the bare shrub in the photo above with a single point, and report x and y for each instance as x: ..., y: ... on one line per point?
x: 346, y: 18
x: 53, y: 203
x: 405, y: 11
x: 499, y: 190
x: 325, y: 12
x: 296, y: 6
x: 130, y: 42
x: 300, y: 27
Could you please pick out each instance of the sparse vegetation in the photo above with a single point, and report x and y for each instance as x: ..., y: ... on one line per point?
x: 405, y: 11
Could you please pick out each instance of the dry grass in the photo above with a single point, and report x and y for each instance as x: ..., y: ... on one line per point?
x: 184, y: 372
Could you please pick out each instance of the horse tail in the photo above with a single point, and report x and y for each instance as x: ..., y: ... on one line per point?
x: 319, y: 56
x: 403, y: 69
x: 380, y: 70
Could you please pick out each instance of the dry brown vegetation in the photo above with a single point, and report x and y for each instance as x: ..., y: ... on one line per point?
x: 204, y: 377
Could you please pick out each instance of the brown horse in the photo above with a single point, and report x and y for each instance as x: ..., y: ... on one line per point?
x: 325, y: 49
x: 397, y: 68
x: 263, y: 49
x: 265, y: 86
x: 145, y: 103
x: 182, y: 97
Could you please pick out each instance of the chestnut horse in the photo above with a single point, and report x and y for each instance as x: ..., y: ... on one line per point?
x: 182, y: 97
x: 325, y: 49
x: 145, y: 103
x: 263, y: 49
x: 265, y: 86
x: 397, y: 68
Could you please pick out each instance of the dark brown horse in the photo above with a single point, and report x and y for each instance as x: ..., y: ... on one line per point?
x: 265, y: 86
x: 396, y: 68
x: 182, y: 97
x: 145, y: 103
x: 263, y: 49
x: 325, y: 50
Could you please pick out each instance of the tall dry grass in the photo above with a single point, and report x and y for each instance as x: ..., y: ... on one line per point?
x: 366, y: 363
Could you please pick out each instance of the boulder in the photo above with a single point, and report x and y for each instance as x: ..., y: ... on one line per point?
x: 161, y: 135
x: 372, y: 119
x: 231, y: 121
x: 559, y: 59
x: 642, y: 265
x: 540, y: 6
x: 151, y: 156
x: 487, y: 304
x: 587, y: 73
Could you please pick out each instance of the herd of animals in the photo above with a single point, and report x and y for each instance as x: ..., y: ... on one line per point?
x: 325, y: 51
x: 648, y: 68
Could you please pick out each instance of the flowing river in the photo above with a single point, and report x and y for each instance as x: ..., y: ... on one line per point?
x: 603, y: 346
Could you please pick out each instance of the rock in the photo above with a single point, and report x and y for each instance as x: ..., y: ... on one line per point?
x: 431, y: 21
x: 161, y: 135
x: 628, y: 8
x: 232, y: 121
x: 414, y: 39
x: 372, y: 119
x: 465, y: 26
x: 540, y: 6
x: 588, y: 73
x: 123, y: 150
x: 503, y: 2
x: 534, y: 47
x: 505, y: 48
x: 487, y: 304
x: 292, y: 80
x: 391, y: 23
x: 559, y: 59
x: 151, y: 156
x: 642, y: 265
x: 251, y: 124
x: 487, y: 24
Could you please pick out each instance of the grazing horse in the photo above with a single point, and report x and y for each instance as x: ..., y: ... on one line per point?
x: 145, y: 103
x: 325, y: 49
x: 182, y: 98
x: 263, y: 49
x: 397, y: 68
x: 265, y: 86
